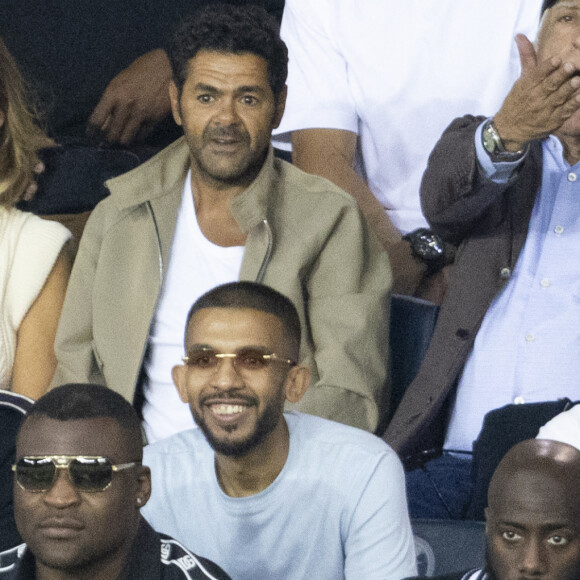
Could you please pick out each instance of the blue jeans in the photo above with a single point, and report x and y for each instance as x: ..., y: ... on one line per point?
x: 441, y: 488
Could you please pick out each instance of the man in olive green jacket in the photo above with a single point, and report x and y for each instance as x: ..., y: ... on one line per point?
x: 300, y: 234
x: 305, y: 238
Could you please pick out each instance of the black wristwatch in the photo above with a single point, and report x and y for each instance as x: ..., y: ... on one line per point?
x: 428, y: 247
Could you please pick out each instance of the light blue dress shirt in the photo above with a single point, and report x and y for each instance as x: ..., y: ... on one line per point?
x: 528, y: 347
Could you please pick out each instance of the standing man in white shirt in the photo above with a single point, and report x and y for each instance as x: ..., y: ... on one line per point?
x: 506, y: 189
x: 372, y: 84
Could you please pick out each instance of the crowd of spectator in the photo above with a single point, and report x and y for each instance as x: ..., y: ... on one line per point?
x: 248, y: 185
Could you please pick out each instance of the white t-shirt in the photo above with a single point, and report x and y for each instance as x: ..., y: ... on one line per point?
x: 196, y: 266
x: 397, y: 73
x: 337, y: 510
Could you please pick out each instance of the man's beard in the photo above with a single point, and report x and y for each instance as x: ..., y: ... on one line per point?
x: 248, y: 166
x: 265, y: 424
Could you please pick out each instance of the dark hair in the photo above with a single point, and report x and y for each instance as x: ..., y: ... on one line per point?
x: 86, y: 401
x: 548, y: 4
x: 257, y: 297
x: 235, y: 29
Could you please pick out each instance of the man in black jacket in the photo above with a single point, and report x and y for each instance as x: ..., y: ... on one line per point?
x: 79, y: 487
x: 533, y: 518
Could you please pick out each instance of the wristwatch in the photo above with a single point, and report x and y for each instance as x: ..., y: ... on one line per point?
x: 428, y: 247
x: 493, y: 144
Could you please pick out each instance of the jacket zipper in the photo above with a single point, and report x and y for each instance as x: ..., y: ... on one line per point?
x: 266, y: 260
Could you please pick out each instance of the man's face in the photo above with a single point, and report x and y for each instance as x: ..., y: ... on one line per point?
x: 559, y: 36
x: 236, y: 409
x: 68, y: 529
x: 228, y: 111
x: 533, y: 530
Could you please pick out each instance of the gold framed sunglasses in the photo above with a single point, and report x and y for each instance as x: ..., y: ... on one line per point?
x: 247, y: 359
x: 86, y: 473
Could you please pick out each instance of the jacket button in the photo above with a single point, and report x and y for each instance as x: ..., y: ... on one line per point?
x: 462, y: 333
x: 505, y: 273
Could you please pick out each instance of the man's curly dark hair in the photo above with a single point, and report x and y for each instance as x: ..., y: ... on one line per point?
x: 547, y: 4
x: 230, y: 28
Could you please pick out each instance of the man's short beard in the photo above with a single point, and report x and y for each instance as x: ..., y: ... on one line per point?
x: 265, y: 424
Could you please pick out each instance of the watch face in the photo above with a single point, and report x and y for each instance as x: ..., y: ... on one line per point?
x: 488, y: 141
x: 429, y: 246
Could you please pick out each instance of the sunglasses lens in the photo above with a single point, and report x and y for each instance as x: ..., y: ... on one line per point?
x: 91, y: 474
x: 35, y: 474
x: 203, y: 359
x: 251, y: 360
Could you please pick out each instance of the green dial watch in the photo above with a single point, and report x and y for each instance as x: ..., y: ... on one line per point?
x: 493, y: 144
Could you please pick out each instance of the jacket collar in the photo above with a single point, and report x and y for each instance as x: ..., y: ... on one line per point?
x: 153, y: 179
x: 166, y: 171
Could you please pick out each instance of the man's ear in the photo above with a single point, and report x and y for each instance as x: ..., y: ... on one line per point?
x: 297, y: 383
x: 174, y: 98
x: 178, y: 375
x: 280, y: 106
x: 144, y: 488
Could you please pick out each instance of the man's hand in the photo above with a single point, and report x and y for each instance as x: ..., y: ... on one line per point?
x: 541, y: 100
x: 134, y: 102
x: 30, y: 191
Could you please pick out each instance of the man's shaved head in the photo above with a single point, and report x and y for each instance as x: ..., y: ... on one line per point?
x: 533, y: 518
x: 541, y: 457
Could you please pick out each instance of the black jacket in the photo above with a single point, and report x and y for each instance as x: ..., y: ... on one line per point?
x: 153, y: 557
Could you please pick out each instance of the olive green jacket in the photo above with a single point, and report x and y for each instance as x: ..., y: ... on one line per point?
x: 305, y: 237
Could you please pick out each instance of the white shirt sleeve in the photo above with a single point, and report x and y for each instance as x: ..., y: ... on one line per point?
x: 318, y: 90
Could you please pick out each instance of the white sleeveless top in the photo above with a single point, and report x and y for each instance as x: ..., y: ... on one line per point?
x: 29, y: 247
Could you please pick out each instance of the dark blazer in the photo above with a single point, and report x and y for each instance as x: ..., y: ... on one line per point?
x: 489, y: 222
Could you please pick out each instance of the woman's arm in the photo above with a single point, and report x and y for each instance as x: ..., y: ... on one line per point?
x: 34, y: 360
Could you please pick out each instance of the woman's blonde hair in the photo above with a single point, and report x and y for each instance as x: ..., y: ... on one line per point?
x: 20, y: 137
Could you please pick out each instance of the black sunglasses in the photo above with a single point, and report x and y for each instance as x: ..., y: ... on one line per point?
x: 87, y: 473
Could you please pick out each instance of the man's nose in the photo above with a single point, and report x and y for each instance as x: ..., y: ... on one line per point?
x: 227, y: 112
x: 226, y: 374
x: 534, y: 556
x: 63, y: 493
